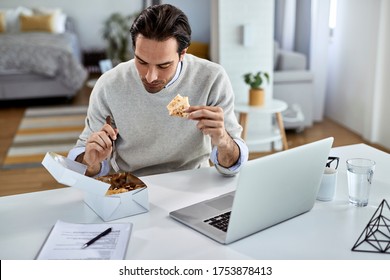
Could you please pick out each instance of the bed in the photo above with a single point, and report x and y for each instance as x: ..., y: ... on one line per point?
x: 39, y: 64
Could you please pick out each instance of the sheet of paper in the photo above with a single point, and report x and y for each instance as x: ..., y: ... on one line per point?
x: 65, y: 242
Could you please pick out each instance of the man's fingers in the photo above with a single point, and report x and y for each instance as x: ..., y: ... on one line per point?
x: 93, y: 146
x: 205, y: 112
x: 102, y: 139
x: 110, y: 131
x: 206, y: 123
x: 196, y: 108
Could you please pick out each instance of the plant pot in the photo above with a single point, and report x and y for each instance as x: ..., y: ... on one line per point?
x: 256, y: 97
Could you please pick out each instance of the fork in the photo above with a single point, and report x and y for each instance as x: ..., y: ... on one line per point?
x: 113, y: 153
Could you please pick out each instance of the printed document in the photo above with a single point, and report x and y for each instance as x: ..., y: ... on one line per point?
x: 66, y: 240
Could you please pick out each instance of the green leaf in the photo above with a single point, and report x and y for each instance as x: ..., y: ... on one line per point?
x: 256, y: 80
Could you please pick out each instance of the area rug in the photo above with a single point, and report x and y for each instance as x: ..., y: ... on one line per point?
x: 44, y: 129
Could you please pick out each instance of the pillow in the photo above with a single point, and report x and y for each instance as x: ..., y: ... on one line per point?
x: 12, y: 18
x: 2, y: 22
x: 36, y: 23
x: 59, y: 23
x: 59, y: 18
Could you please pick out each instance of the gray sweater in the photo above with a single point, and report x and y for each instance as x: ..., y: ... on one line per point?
x: 149, y: 140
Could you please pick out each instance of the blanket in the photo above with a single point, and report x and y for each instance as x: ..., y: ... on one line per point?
x: 52, y: 55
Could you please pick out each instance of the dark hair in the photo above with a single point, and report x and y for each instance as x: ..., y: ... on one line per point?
x: 161, y: 22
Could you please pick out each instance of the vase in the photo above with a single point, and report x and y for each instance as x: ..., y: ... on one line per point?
x: 256, y: 97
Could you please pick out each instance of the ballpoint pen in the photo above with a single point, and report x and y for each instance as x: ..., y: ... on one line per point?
x: 104, y: 233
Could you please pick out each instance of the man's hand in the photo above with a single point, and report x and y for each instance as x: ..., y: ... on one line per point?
x: 211, y: 122
x: 98, y: 148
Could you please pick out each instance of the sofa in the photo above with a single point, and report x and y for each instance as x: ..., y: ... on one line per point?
x: 294, y: 84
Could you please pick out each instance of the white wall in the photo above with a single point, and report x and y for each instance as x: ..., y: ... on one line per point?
x: 236, y: 58
x: 198, y: 13
x: 88, y: 15
x: 357, y: 87
x: 228, y: 17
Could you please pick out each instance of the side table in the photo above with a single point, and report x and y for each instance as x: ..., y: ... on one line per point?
x: 273, y: 106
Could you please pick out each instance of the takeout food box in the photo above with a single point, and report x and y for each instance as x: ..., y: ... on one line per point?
x: 71, y: 173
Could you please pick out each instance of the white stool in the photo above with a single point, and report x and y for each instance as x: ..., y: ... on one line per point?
x: 273, y: 106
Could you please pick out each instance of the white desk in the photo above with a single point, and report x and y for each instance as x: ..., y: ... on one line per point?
x: 273, y: 106
x: 328, y: 231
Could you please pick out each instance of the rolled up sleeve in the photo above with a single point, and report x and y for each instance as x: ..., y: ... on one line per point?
x: 233, y: 170
x: 75, y: 152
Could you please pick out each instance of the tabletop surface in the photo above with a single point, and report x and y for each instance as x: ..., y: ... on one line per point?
x: 328, y: 231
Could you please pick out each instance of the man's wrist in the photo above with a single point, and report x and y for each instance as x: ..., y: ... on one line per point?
x: 92, y: 170
x: 80, y: 158
x: 226, y: 142
x: 229, y: 153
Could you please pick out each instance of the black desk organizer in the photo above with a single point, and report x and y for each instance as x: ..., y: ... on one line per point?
x: 375, y: 238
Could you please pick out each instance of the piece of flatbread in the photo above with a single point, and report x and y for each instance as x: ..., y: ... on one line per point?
x: 121, y: 182
x: 177, y: 106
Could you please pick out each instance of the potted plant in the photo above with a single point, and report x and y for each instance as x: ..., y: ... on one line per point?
x: 256, y: 92
x: 116, y: 31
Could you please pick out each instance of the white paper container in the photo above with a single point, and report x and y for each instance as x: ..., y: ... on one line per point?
x: 70, y: 173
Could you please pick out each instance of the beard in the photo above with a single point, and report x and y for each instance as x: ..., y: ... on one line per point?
x: 154, y: 87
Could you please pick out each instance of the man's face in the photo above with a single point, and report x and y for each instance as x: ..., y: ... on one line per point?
x: 156, y: 62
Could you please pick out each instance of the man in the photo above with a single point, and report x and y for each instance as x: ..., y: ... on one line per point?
x: 143, y: 138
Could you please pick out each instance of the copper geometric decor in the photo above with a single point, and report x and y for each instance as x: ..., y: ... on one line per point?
x: 375, y: 238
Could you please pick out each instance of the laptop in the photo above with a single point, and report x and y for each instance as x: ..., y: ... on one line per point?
x: 270, y: 190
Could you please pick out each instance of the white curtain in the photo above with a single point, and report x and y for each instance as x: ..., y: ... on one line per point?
x: 358, y: 95
x: 285, y: 11
x: 377, y: 130
x: 319, y: 45
x: 302, y: 26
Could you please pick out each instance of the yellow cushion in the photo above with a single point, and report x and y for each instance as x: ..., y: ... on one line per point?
x: 199, y: 49
x: 2, y: 22
x: 36, y: 23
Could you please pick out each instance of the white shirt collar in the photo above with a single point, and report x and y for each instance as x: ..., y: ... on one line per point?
x: 178, y: 70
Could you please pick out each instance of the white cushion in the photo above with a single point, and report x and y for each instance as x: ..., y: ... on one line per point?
x: 12, y: 18
x: 58, y: 20
x: 293, y: 77
x: 289, y: 60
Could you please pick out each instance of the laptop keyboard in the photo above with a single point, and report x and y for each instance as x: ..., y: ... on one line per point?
x: 220, y: 222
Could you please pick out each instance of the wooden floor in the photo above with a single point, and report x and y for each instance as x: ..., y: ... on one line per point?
x: 19, y: 181
x: 38, y: 179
